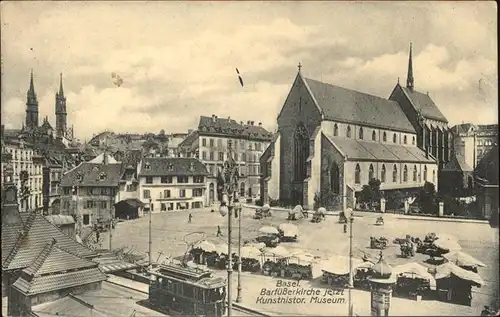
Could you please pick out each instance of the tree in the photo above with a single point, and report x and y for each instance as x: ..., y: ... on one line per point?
x: 427, y: 198
x: 371, y: 193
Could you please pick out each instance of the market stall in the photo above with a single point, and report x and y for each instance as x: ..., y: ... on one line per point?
x: 336, y: 270
x: 362, y: 274
x: 288, y: 232
x: 413, y: 280
x: 270, y: 236
x: 464, y: 260
x: 299, y: 265
x: 250, y: 259
x: 203, y: 252
x: 455, y: 284
x: 275, y: 261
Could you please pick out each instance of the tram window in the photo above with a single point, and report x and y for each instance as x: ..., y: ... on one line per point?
x: 189, y: 291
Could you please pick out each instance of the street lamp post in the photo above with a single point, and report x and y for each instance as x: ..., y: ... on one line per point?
x: 150, y: 242
x: 228, y: 180
x: 351, y: 277
x: 238, y: 297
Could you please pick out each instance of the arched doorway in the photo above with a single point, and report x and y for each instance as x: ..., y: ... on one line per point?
x: 334, y: 178
x: 242, y: 190
x: 211, y: 193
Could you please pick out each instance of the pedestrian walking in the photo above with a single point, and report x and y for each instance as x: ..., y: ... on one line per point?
x: 190, y: 218
x: 219, y: 232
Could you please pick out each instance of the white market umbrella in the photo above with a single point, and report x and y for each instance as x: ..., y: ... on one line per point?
x: 450, y: 245
x: 302, y: 258
x: 205, y: 246
x: 269, y: 230
x: 297, y: 209
x: 278, y: 252
x: 321, y: 211
x: 463, y: 259
x: 445, y: 270
x: 413, y: 270
x: 259, y: 246
x: 222, y: 248
x: 289, y: 230
x: 266, y: 207
x: 339, y: 265
x: 250, y: 252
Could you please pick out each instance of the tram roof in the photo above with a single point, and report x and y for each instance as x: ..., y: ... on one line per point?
x: 184, y: 272
x: 206, y: 283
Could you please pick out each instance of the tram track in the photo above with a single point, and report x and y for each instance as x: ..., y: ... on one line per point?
x: 249, y: 311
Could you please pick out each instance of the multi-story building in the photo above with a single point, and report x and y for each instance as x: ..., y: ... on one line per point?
x: 53, y: 170
x: 174, y: 140
x: 172, y: 183
x: 336, y: 139
x: 473, y: 141
x: 28, y: 175
x: 486, y: 185
x: 90, y: 191
x: 210, y: 144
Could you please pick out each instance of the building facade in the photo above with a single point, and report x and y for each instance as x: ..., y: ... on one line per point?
x: 90, y: 191
x: 486, y: 184
x: 472, y: 141
x: 28, y: 174
x: 168, y: 184
x: 336, y: 139
x: 210, y: 143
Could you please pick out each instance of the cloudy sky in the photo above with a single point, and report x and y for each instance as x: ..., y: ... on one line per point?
x: 178, y: 59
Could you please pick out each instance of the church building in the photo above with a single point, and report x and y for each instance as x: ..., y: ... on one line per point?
x: 336, y: 139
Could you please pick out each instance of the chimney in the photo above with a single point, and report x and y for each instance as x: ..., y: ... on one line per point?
x: 105, y: 158
x: 252, y: 122
x: 241, y: 122
x: 228, y: 118
x: 260, y: 124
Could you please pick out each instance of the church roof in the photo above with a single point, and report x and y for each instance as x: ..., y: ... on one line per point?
x: 366, y: 150
x: 423, y: 103
x: 355, y: 107
x: 457, y: 164
x: 26, y: 241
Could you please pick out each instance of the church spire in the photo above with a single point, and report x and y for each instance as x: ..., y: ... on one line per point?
x: 61, y: 92
x: 31, y: 105
x: 409, y: 79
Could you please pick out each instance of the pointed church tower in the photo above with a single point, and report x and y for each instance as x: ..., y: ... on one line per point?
x: 61, y: 123
x: 409, y: 79
x: 31, y: 106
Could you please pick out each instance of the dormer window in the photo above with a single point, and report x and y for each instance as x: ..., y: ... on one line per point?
x: 361, y: 133
x: 394, y: 138
x: 170, y: 167
x: 348, y: 132
x: 102, y: 176
x: 147, y: 166
x: 79, y: 177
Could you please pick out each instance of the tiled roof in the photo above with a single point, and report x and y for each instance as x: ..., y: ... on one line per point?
x: 172, y: 166
x: 487, y: 168
x: 38, y: 231
x: 90, y: 175
x: 108, y: 262
x: 424, y: 103
x: 365, y: 150
x: 110, y: 300
x: 60, y: 219
x: 232, y: 128
x: 457, y: 164
x: 355, y: 107
x: 10, y: 235
x: 53, y: 259
x: 192, y: 137
x: 48, y: 283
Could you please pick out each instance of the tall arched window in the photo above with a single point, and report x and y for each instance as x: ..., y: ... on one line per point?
x: 405, y: 174
x: 425, y: 173
x: 374, y: 136
x: 361, y: 133
x: 348, y: 132
x: 382, y: 174
x: 395, y: 174
x: 394, y: 138
x: 415, y: 173
x: 385, y: 137
x: 413, y: 141
x: 335, y: 130
x: 301, y: 152
x: 242, y: 189
x: 357, y: 175
x: 405, y: 140
x: 334, y: 178
x: 434, y: 176
x: 370, y: 173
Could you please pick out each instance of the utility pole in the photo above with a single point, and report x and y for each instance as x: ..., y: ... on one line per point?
x: 230, y: 257
x: 110, y: 219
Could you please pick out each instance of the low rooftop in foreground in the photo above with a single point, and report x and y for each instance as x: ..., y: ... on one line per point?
x: 110, y: 300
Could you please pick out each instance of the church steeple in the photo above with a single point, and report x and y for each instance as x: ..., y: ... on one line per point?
x: 409, y: 79
x: 31, y: 106
x: 61, y: 124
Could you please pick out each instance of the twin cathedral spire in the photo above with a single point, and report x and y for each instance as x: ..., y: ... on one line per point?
x: 31, y: 122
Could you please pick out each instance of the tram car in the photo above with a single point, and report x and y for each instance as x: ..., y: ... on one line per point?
x: 179, y: 290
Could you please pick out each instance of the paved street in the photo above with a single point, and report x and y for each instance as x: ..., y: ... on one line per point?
x: 324, y: 239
